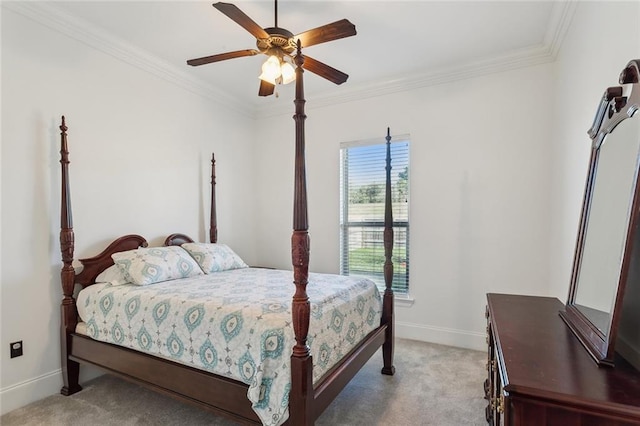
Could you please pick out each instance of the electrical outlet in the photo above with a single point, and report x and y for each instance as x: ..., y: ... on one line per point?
x: 16, y: 349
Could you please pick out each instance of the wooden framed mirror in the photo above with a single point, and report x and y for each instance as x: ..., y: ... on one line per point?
x: 609, y: 221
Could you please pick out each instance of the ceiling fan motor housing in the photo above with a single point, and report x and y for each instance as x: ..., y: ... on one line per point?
x: 279, y: 39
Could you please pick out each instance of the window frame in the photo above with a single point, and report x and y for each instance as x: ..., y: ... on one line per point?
x: 398, y: 225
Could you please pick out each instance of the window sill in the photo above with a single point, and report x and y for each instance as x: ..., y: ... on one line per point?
x: 404, y: 300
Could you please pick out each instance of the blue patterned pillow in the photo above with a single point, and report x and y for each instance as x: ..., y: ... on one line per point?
x: 144, y: 266
x: 214, y: 257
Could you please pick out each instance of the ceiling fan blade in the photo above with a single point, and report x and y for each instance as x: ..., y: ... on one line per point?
x: 329, y: 32
x: 266, y: 88
x: 222, y: 57
x: 324, y: 70
x: 241, y: 19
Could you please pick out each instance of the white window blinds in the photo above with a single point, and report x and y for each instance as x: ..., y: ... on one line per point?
x: 362, y: 183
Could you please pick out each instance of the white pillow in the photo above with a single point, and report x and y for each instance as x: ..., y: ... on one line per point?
x: 112, y: 275
x: 214, y: 257
x: 144, y: 266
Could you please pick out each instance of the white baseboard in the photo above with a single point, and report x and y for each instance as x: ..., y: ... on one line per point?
x: 31, y: 390
x: 28, y: 391
x: 442, y: 336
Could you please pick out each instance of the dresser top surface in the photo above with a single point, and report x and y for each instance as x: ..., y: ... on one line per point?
x: 541, y: 357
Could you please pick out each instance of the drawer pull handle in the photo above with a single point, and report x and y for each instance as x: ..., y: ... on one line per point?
x: 497, y: 404
x: 500, y: 404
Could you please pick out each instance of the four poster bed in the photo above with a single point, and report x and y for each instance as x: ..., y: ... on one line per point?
x: 334, y: 323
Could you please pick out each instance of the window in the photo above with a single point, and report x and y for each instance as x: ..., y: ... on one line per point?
x: 362, y: 184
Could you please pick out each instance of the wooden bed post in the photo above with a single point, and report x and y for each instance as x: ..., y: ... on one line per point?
x: 387, y: 301
x: 301, y: 395
x: 213, y: 224
x: 70, y: 369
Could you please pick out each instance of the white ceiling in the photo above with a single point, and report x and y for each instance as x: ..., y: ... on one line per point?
x: 398, y: 42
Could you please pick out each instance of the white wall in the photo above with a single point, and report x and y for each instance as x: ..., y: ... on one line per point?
x: 479, y: 192
x: 139, y: 150
x: 590, y: 60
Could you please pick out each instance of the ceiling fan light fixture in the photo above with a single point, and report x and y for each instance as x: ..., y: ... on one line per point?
x: 288, y: 73
x: 275, y: 70
x: 271, y: 71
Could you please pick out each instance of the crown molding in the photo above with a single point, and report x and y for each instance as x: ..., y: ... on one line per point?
x: 559, y: 22
x: 76, y: 28
x: 561, y: 15
x: 520, y: 59
x: 81, y: 31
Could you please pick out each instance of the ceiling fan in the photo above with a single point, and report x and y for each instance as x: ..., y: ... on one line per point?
x: 280, y: 45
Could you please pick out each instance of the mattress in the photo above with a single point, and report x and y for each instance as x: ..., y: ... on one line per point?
x: 236, y: 324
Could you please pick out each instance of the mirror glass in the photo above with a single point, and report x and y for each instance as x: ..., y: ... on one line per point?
x: 607, y: 224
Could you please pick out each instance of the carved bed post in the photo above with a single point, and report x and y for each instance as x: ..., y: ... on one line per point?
x: 301, y: 395
x: 387, y: 301
x: 70, y: 369
x: 213, y: 224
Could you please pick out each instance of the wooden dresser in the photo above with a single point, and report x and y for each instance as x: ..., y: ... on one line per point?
x: 540, y: 374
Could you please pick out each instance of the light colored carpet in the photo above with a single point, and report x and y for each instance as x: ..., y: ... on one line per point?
x: 433, y: 385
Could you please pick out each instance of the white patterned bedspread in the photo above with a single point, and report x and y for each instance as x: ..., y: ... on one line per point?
x: 237, y: 324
